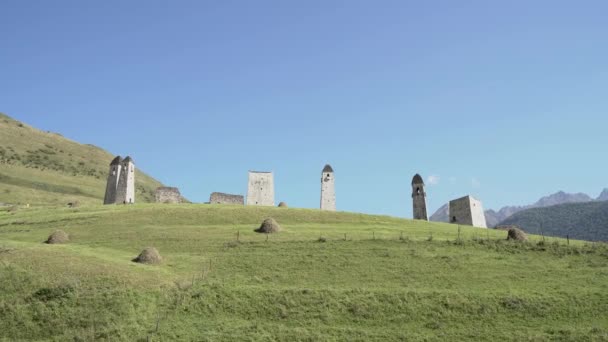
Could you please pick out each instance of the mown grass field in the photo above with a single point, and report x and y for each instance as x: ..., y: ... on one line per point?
x: 325, y: 277
x: 42, y: 168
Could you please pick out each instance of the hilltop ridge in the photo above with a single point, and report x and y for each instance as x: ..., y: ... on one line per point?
x: 45, y: 168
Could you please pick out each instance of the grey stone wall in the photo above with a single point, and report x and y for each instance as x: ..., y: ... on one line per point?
x: 168, y: 195
x: 222, y: 198
x: 467, y: 211
x: 260, y: 188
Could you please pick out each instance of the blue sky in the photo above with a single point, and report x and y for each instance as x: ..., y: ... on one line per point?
x: 504, y: 100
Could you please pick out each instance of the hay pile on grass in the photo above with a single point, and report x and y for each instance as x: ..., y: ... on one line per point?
x: 269, y: 226
x: 149, y: 256
x: 282, y: 205
x: 516, y: 234
x: 58, y: 236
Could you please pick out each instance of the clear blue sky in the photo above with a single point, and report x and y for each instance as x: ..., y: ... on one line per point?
x: 505, y: 100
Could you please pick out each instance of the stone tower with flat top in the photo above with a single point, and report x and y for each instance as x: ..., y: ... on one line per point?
x: 467, y: 211
x: 112, y: 184
x: 125, y: 190
x: 260, y: 188
x: 419, y: 198
x: 328, y: 189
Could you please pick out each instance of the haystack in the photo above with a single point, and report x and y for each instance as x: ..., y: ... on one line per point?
x: 58, y: 236
x: 516, y: 234
x: 282, y: 205
x: 149, y: 255
x: 269, y: 226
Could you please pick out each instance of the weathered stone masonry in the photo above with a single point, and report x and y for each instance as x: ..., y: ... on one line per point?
x: 222, y: 198
x: 468, y: 211
x: 419, y: 198
x: 260, y: 188
x: 168, y: 195
x: 328, y: 189
x: 120, y: 187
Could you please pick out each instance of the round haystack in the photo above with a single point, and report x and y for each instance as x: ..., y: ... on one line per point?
x: 516, y: 234
x: 149, y: 256
x: 269, y: 226
x: 282, y: 205
x: 58, y: 236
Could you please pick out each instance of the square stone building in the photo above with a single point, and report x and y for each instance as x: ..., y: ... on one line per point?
x: 260, y: 188
x: 467, y: 211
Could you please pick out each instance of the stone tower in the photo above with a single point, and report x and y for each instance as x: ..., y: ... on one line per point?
x: 260, y: 188
x: 468, y: 211
x: 113, y: 176
x: 328, y: 189
x: 125, y: 190
x: 419, y: 198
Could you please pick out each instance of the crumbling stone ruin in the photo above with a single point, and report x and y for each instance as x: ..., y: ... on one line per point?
x: 467, y: 211
x: 419, y: 198
x: 120, y: 187
x: 167, y: 195
x: 328, y: 189
x: 222, y: 198
x: 260, y: 188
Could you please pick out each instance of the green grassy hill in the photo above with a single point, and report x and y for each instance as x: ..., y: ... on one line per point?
x: 44, y: 168
x: 326, y: 277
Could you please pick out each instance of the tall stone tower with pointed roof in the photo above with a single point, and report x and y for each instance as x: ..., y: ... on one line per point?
x: 419, y: 198
x: 112, y: 184
x: 260, y: 188
x: 328, y: 189
x: 125, y: 189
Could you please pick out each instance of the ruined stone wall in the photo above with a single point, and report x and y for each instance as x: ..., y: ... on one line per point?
x: 168, y: 195
x: 260, y: 188
x: 328, y: 191
x: 467, y: 211
x: 222, y: 198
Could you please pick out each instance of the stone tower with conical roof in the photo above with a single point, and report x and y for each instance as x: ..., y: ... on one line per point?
x: 419, y: 198
x: 125, y: 189
x: 111, y: 185
x: 328, y: 189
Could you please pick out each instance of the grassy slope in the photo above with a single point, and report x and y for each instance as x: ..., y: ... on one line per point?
x: 372, y: 286
x: 42, y: 168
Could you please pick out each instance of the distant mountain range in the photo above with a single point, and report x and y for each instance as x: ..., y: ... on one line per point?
x: 494, y: 218
x: 583, y: 221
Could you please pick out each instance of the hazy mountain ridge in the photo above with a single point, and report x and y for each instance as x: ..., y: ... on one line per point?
x: 603, y: 196
x: 583, y: 220
x: 494, y: 218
